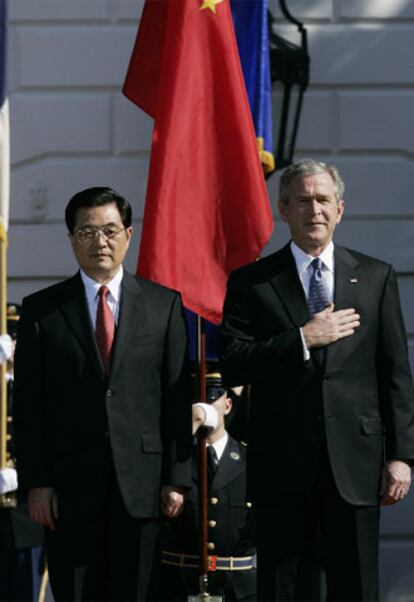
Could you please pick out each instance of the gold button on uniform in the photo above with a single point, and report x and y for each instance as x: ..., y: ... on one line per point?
x: 211, y: 546
x: 214, y: 500
x: 212, y: 523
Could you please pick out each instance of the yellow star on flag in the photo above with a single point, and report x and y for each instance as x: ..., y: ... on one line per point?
x: 211, y: 4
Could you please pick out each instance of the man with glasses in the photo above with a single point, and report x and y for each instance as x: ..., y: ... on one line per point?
x: 103, y: 424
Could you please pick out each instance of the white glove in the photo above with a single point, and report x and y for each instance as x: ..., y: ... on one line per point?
x: 210, y: 411
x: 6, y: 348
x: 8, y: 480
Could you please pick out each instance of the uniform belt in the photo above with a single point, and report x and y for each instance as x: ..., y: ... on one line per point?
x: 215, y: 563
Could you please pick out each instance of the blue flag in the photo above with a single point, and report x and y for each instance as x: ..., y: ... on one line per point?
x: 250, y: 23
x: 4, y: 128
x: 212, y: 337
x: 3, y: 44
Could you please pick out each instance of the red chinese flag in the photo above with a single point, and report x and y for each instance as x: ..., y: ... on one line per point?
x: 207, y: 210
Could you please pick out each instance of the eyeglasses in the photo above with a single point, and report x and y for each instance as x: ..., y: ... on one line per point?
x: 89, y: 234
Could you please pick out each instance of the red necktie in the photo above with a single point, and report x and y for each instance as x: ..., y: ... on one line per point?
x: 105, y: 327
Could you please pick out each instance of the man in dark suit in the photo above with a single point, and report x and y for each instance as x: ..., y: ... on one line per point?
x: 332, y: 416
x: 231, y: 545
x: 102, y: 412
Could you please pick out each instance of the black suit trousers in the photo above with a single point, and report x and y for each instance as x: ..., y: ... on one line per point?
x: 110, y: 557
x: 347, y: 536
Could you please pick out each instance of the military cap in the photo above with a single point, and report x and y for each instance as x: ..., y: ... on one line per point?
x: 13, y: 316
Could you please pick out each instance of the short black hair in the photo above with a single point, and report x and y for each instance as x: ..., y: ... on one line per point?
x: 95, y: 197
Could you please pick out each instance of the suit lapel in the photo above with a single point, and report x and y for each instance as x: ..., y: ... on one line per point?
x: 288, y: 287
x: 129, y: 311
x: 231, y: 465
x: 346, y: 288
x: 75, y: 311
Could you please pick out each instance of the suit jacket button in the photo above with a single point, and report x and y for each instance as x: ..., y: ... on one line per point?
x: 213, y: 501
x: 211, y: 546
x: 212, y: 523
x: 108, y: 394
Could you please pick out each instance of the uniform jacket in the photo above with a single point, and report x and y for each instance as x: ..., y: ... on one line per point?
x: 67, y: 411
x: 359, y: 398
x: 230, y: 524
x: 17, y: 530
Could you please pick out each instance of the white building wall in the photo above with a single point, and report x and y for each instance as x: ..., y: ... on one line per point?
x: 71, y: 128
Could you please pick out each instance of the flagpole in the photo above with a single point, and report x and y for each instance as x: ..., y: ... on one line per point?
x: 3, y: 330
x: 202, y: 455
x: 6, y: 500
x: 4, y: 212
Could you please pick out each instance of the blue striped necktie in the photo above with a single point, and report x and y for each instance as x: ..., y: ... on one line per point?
x: 318, y: 297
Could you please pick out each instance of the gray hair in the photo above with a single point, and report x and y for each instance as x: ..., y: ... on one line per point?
x: 309, y: 167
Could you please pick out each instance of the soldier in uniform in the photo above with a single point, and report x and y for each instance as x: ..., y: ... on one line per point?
x: 231, y: 545
x: 20, y: 537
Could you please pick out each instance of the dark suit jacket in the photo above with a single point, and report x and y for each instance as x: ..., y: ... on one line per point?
x: 67, y: 412
x: 362, y: 392
x: 231, y: 532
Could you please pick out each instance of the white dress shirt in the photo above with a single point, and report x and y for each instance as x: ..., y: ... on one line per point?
x: 113, y: 299
x: 303, y: 261
x: 220, y: 444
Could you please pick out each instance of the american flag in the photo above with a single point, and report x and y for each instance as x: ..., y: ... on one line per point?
x: 4, y: 126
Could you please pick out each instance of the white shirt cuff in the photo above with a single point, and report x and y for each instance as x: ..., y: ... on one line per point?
x: 8, y: 480
x: 306, y: 352
x: 6, y: 348
x: 211, y: 415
